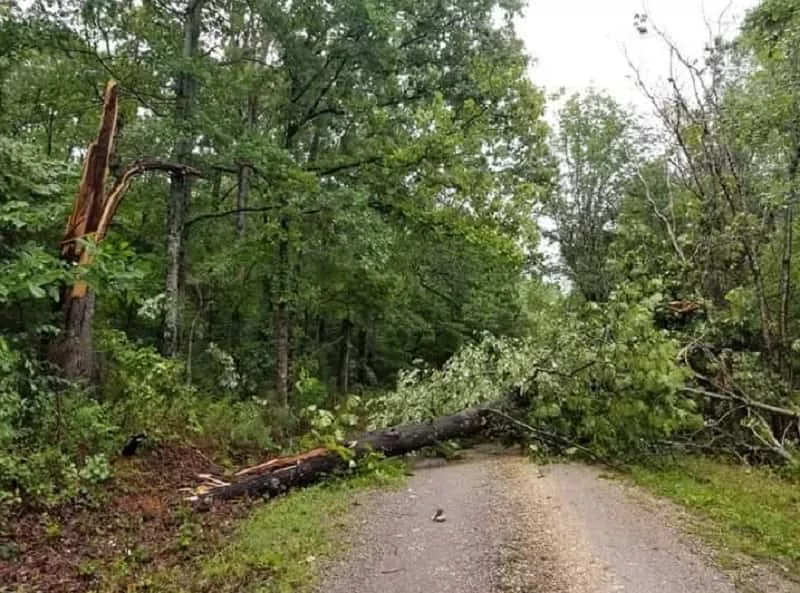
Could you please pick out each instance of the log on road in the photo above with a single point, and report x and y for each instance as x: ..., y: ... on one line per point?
x: 314, y: 466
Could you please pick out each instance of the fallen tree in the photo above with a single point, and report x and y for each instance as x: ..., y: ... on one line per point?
x: 279, y: 475
x: 584, y: 410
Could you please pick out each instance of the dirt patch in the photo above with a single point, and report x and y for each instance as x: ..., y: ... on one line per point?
x: 139, y: 523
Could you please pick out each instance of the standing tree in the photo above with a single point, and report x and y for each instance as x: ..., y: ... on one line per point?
x: 595, y: 148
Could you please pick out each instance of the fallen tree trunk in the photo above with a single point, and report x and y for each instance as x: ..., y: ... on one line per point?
x: 318, y: 464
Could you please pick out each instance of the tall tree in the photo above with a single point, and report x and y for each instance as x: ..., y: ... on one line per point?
x: 180, y: 192
x: 595, y: 148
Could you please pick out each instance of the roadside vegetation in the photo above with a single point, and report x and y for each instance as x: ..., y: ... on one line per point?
x: 272, y: 548
x: 739, y: 510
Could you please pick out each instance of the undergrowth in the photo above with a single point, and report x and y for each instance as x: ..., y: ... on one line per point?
x: 740, y: 509
x: 57, y: 440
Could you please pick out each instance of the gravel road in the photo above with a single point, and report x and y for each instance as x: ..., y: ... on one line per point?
x: 513, y: 527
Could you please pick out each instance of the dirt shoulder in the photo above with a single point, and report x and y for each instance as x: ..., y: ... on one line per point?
x: 137, y: 525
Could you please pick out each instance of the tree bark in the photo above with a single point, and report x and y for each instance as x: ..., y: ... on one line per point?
x: 75, y: 352
x: 322, y: 350
x: 786, y: 267
x: 282, y: 318
x: 361, y: 373
x: 245, y: 171
x: 321, y: 463
x: 786, y: 293
x: 343, y: 379
x: 242, y: 193
x: 180, y: 191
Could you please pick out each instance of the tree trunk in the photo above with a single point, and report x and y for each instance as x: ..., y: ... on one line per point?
x: 786, y: 267
x: 73, y: 351
x: 786, y: 294
x: 91, y: 217
x: 321, y: 463
x: 282, y: 319
x: 243, y: 189
x: 180, y: 191
x: 322, y: 350
x: 242, y: 193
x: 343, y: 382
x: 76, y: 350
x: 282, y: 351
x: 361, y: 374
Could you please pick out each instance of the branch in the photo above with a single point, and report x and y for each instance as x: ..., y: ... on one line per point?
x: 550, y: 436
x: 445, y: 297
x: 661, y: 216
x: 114, y: 197
x: 211, y: 215
x: 332, y: 170
x: 746, y: 401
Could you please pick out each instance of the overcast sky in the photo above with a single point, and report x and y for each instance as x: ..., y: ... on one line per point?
x: 581, y: 43
x: 578, y: 43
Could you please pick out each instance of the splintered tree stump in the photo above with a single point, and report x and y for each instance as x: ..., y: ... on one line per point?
x: 319, y: 464
x: 91, y: 216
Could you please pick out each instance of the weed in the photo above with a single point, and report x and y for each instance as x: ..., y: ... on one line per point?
x: 52, y: 528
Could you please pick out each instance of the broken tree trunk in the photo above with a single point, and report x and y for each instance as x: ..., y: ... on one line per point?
x: 91, y: 216
x: 74, y: 351
x: 318, y: 464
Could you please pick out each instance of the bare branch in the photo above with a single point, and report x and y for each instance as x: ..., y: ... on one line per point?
x: 750, y: 403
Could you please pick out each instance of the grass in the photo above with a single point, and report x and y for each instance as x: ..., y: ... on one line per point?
x: 278, y: 547
x: 740, y: 509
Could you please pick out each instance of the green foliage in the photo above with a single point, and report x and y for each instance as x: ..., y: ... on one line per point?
x: 58, y: 441
x: 29, y: 464
x: 30, y: 187
x: 96, y: 469
x: 148, y: 392
x: 330, y: 427
x: 234, y: 424
x: 601, y: 376
x: 596, y: 150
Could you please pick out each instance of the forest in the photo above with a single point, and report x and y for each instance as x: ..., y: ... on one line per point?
x: 290, y: 221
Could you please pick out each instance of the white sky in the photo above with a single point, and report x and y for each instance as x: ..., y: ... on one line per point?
x: 580, y: 43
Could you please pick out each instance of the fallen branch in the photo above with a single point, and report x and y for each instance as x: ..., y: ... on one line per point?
x: 746, y: 401
x: 279, y: 463
x: 554, y: 438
